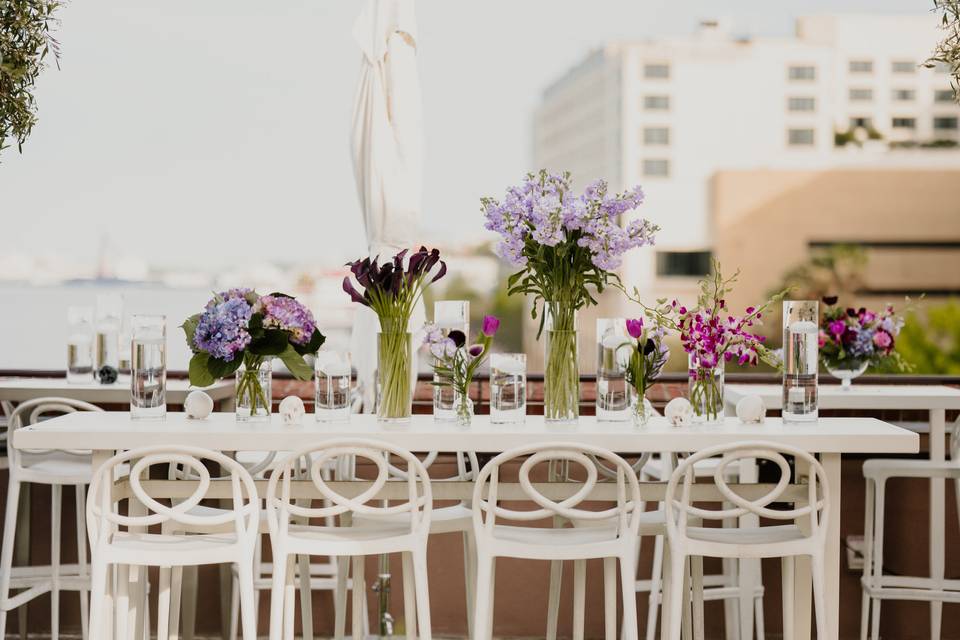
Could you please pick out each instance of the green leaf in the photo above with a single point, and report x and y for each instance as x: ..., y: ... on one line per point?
x: 255, y: 326
x: 221, y: 368
x: 316, y: 341
x: 270, y: 343
x: 295, y: 363
x: 189, y: 327
x: 200, y: 375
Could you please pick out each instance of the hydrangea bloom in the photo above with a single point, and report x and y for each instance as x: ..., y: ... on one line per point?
x: 282, y: 312
x: 222, y: 329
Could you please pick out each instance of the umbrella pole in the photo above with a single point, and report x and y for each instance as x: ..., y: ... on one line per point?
x: 382, y: 588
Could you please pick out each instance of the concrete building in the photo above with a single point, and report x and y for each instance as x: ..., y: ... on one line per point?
x: 672, y: 112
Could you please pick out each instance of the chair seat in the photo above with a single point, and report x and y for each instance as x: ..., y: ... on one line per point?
x: 154, y: 542
x: 597, y: 531
x: 656, y: 469
x: 350, y: 534
x: 753, y: 535
x: 457, y: 517
x: 895, y: 467
x: 67, y: 468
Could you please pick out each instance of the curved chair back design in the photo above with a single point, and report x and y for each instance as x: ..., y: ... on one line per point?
x: 104, y: 519
x: 486, y: 500
x: 282, y: 507
x: 679, y: 507
x: 32, y: 411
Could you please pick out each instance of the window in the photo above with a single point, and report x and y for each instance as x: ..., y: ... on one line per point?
x: 861, y: 66
x: 861, y: 121
x: 694, y: 264
x: 904, y: 95
x: 903, y: 66
x: 945, y: 123
x: 943, y: 95
x: 656, y: 135
x: 904, y: 123
x: 861, y: 95
x: 801, y: 104
x: 800, y: 137
x: 656, y: 168
x: 656, y: 103
x: 658, y: 71
x: 802, y: 72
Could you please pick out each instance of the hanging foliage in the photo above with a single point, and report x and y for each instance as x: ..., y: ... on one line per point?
x: 25, y: 42
x: 947, y: 52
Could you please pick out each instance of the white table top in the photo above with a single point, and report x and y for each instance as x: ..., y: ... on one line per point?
x: 859, y: 396
x: 116, y: 430
x: 21, y: 389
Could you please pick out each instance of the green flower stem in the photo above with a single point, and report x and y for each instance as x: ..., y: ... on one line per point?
x: 394, y: 375
x: 249, y: 387
x: 561, y: 383
x: 706, y: 395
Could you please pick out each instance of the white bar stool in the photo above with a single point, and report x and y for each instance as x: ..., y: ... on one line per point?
x: 57, y: 469
x: 804, y: 538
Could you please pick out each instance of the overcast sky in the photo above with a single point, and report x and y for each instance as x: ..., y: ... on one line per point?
x: 198, y: 132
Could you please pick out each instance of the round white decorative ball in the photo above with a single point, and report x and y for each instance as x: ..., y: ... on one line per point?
x: 679, y: 412
x: 198, y: 405
x: 291, y: 410
x: 750, y: 410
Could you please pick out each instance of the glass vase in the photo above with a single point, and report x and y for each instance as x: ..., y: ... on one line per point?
x: 448, y: 315
x: 641, y: 410
x: 80, y: 362
x: 846, y: 371
x: 148, y: 363
x: 613, y: 356
x: 332, y: 392
x: 561, y: 380
x: 508, y: 388
x: 706, y: 392
x: 464, y: 409
x: 394, y: 361
x: 254, y: 390
x: 800, y: 360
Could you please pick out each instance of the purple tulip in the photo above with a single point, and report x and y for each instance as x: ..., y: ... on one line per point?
x: 490, y: 325
x: 635, y: 328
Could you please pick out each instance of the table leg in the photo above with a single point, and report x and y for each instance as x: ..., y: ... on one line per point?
x: 99, y: 457
x: 937, y: 525
x: 21, y: 548
x: 801, y: 573
x: 749, y: 573
x: 831, y: 465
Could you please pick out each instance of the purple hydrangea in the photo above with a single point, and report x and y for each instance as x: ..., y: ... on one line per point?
x: 222, y: 329
x: 282, y: 312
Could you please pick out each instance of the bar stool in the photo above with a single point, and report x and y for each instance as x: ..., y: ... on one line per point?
x: 57, y: 469
x: 124, y: 542
x: 875, y: 585
x: 807, y: 537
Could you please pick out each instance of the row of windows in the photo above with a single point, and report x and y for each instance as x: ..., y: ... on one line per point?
x: 940, y: 123
x: 899, y: 95
x: 897, y: 66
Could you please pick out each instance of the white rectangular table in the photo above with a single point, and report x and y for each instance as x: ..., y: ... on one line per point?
x: 935, y: 399
x: 106, y: 433
x: 23, y: 389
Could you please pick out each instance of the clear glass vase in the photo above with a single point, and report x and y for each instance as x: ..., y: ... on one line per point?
x: 613, y: 356
x: 148, y: 362
x: 394, y: 362
x: 800, y: 360
x: 561, y: 380
x: 846, y: 371
x: 508, y: 387
x: 332, y: 392
x: 706, y: 392
x: 448, y: 315
x: 464, y: 409
x: 640, y: 410
x: 254, y: 389
x: 80, y: 362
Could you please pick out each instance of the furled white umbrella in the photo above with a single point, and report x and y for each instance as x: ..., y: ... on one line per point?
x: 387, y: 152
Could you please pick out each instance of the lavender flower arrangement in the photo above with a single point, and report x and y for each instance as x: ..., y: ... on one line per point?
x: 393, y: 290
x: 648, y: 355
x: 239, y: 327
x: 853, y: 339
x: 456, y: 365
x: 566, y: 246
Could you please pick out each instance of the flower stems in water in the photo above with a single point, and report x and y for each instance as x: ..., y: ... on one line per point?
x: 393, y: 375
x: 561, y: 384
x: 249, y: 389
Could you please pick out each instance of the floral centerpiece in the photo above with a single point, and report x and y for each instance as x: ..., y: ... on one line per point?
x: 240, y: 328
x: 648, y: 354
x: 566, y: 246
x: 456, y: 365
x: 853, y: 339
x: 711, y: 336
x: 392, y: 290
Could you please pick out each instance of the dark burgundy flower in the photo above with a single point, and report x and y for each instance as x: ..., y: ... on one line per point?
x: 354, y: 294
x: 459, y: 337
x: 475, y: 350
x: 830, y: 300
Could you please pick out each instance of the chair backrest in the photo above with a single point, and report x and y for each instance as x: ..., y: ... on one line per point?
x: 486, y: 499
x: 32, y: 411
x: 104, y: 518
x: 282, y: 505
x: 679, y: 507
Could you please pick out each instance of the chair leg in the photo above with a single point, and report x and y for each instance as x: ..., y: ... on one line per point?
x: 423, y: 593
x: 696, y: 594
x: 469, y: 575
x: 176, y: 589
x: 686, y: 621
x: 359, y: 587
x: 122, y: 602
x: 289, y: 602
x: 234, y: 609
x: 656, y: 588
x: 579, y: 597
x: 188, y: 598
x: 56, y: 509
x: 610, y: 598
x: 277, y: 595
x: 864, y: 614
x: 628, y: 588
x: 409, y: 596
x: 81, y: 507
x: 163, y: 604
x: 340, y: 598
x: 787, y: 589
x: 483, y: 610
x: 758, y: 615
x: 98, y: 592
x: 875, y: 620
x: 306, y: 599
x: 819, y: 597
x: 248, y: 610
x: 674, y: 598
x: 553, y: 599
x: 6, y: 553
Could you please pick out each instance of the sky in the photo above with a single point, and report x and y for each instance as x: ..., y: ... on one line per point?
x: 200, y: 134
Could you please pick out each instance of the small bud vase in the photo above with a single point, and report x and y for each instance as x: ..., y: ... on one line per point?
x: 706, y: 392
x: 254, y: 389
x: 641, y: 411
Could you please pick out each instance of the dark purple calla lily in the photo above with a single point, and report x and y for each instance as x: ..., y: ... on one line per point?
x: 354, y: 294
x: 475, y: 350
x: 459, y: 337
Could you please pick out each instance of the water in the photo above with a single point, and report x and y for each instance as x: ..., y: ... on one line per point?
x: 508, y: 389
x: 79, y: 359
x: 124, y: 354
x: 148, y: 385
x: 333, y: 392
x: 108, y: 346
x: 613, y: 392
x: 800, y: 354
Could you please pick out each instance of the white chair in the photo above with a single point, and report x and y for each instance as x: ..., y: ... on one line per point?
x: 407, y: 536
x: 875, y: 584
x: 805, y: 537
x: 125, y: 543
x: 610, y: 534
x: 57, y: 469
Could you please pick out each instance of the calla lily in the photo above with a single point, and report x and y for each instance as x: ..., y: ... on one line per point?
x: 459, y: 338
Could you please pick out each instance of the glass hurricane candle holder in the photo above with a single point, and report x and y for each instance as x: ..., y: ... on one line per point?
x: 800, y: 360
x: 333, y: 375
x: 508, y: 387
x: 148, y: 361
x: 561, y: 379
x: 80, y: 361
x: 613, y: 356
x: 109, y: 319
